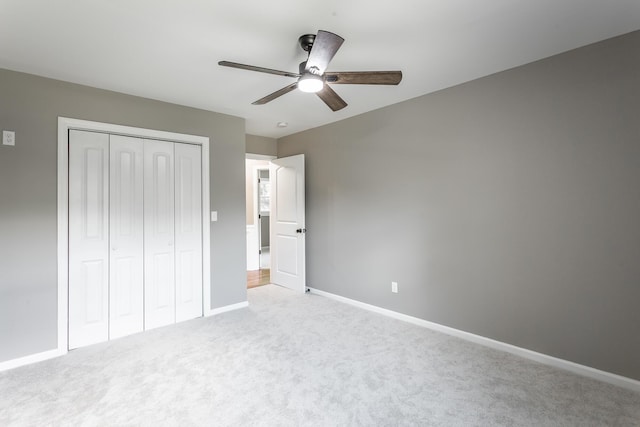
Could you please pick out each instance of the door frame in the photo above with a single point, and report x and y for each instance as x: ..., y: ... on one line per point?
x: 64, y: 125
x: 256, y: 204
x: 253, y: 240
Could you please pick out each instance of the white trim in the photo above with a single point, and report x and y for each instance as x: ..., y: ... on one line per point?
x: 206, y: 230
x: 256, y: 209
x: 63, y: 234
x: 32, y: 358
x: 255, y: 176
x: 226, y: 308
x: 253, y: 256
x: 250, y: 156
x: 64, y: 125
x: 545, y: 359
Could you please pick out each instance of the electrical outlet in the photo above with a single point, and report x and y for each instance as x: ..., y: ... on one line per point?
x: 394, y: 287
x: 8, y: 137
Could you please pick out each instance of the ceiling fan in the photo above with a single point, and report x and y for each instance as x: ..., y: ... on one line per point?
x: 312, y: 75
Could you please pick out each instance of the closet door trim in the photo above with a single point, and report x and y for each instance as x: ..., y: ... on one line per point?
x: 66, y: 124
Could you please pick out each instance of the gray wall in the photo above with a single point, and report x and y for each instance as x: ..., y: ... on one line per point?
x: 508, y: 206
x: 261, y: 145
x: 30, y: 106
x: 265, y: 234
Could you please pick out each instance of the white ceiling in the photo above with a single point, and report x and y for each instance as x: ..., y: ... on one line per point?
x: 169, y: 50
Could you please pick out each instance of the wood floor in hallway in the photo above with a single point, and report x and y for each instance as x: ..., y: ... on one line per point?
x: 257, y: 278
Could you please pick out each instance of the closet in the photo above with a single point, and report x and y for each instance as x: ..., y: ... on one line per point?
x: 135, y: 235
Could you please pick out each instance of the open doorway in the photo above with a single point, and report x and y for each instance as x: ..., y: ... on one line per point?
x: 258, y: 211
x: 283, y: 204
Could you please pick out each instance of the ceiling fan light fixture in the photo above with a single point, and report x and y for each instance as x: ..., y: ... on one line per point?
x: 310, y: 83
x: 312, y: 75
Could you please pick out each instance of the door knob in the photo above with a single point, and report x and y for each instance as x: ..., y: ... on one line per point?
x: 301, y: 230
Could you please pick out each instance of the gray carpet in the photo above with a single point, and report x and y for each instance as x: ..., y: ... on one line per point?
x: 303, y: 360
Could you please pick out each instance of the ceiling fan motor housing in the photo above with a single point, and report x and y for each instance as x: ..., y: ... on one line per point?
x: 306, y: 41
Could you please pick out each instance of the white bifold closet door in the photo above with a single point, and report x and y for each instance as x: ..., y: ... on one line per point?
x: 159, y: 237
x: 135, y: 235
x: 173, y: 232
x: 188, y: 229
x: 126, y: 310
x: 88, y: 238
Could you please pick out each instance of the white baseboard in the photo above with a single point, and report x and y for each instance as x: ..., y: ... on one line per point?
x: 32, y: 358
x: 39, y: 357
x: 545, y: 359
x: 226, y: 308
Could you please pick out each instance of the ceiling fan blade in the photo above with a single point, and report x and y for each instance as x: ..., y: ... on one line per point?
x: 324, y: 47
x: 276, y: 94
x: 331, y: 98
x: 364, y: 77
x: 259, y: 69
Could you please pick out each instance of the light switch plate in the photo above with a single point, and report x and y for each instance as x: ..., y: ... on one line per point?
x: 214, y: 216
x: 8, y: 137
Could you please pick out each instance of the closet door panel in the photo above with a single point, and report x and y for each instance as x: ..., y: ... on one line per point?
x: 188, y: 231
x: 88, y: 238
x: 159, y: 238
x: 126, y: 290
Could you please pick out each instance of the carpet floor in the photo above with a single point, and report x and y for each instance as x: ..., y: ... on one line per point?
x: 303, y: 360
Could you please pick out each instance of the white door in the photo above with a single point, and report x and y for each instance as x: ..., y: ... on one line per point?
x: 126, y: 309
x: 188, y: 231
x: 159, y: 248
x: 287, y: 222
x: 135, y: 235
x: 88, y: 238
